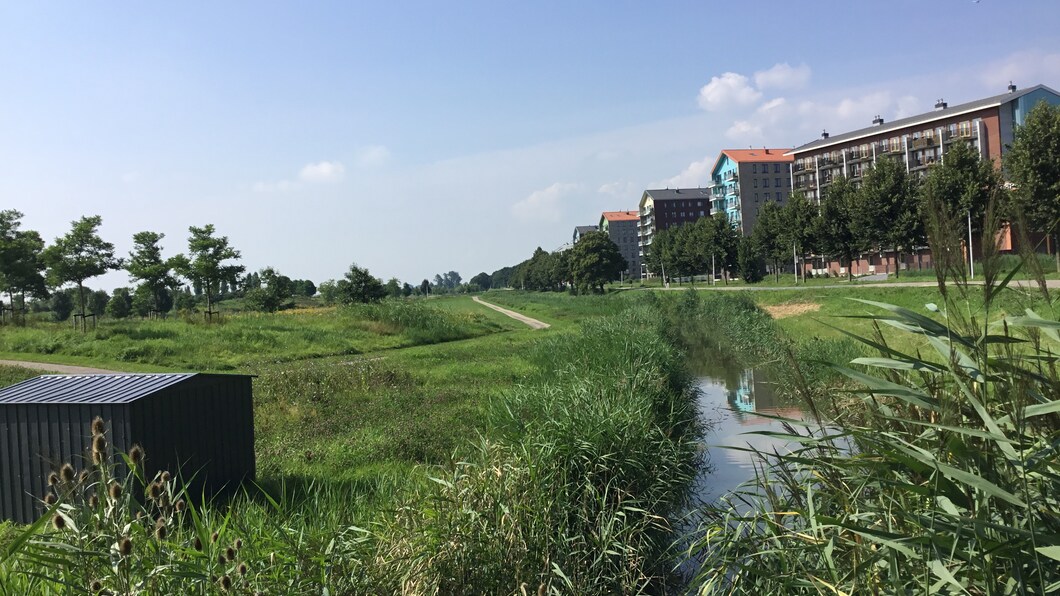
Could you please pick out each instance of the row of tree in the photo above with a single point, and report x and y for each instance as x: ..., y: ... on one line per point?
x: 586, y: 267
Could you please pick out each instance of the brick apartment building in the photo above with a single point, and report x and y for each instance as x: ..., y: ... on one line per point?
x: 917, y: 142
x: 621, y: 228
x: 664, y: 209
x: 743, y: 180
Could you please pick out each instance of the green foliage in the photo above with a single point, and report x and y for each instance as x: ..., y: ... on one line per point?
x: 888, y: 213
x: 360, y: 287
x: 770, y: 236
x: 120, y: 305
x: 79, y: 255
x: 750, y: 263
x: 482, y: 281
x: 393, y: 287
x: 595, y: 261
x: 836, y: 228
x: 209, y: 262
x: 146, y: 265
x: 62, y: 305
x: 21, y: 268
x: 273, y: 293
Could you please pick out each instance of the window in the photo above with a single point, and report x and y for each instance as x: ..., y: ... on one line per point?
x: 702, y: 213
x: 778, y: 195
x: 756, y: 197
x: 756, y: 182
x: 765, y: 182
x: 754, y: 168
x: 776, y: 168
x: 776, y: 182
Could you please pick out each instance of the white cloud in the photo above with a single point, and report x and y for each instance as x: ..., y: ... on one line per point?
x: 623, y: 189
x: 325, y: 171
x: 545, y: 204
x: 1025, y: 69
x: 783, y: 76
x: 728, y: 90
x: 372, y: 156
x: 744, y: 131
x: 696, y: 175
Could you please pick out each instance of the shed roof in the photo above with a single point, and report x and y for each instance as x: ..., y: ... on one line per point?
x: 91, y: 389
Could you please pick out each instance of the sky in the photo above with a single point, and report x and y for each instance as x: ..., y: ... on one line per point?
x: 414, y: 138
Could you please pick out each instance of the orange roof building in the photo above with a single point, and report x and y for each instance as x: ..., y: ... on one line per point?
x: 621, y: 228
x: 743, y: 180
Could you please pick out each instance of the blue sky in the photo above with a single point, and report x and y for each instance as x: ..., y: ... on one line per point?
x: 415, y: 138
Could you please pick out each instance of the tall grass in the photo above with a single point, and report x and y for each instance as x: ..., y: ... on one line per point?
x: 944, y: 479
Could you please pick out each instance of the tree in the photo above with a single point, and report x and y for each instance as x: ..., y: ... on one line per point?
x: 595, y: 260
x: 120, y: 305
x: 835, y: 226
x: 97, y: 302
x: 273, y: 294
x: 769, y: 236
x: 406, y: 289
x: 888, y: 210
x: 725, y: 241
x: 208, y: 263
x: 147, y: 266
x: 359, y: 286
x: 955, y: 195
x: 1033, y: 166
x: 62, y: 305
x: 21, y: 267
x: 800, y: 229
x: 482, y: 280
x: 329, y: 292
x: 425, y: 288
x: 749, y: 261
x: 393, y: 287
x: 79, y: 255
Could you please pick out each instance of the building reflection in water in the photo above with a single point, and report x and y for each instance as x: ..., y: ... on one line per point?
x: 750, y: 393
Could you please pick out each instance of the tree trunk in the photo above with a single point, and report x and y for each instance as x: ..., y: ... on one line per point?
x: 1056, y: 253
x: 897, y: 263
x: 850, y: 268
x: 81, y: 296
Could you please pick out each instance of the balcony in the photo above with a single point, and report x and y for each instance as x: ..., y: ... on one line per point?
x: 731, y: 176
x: 923, y: 143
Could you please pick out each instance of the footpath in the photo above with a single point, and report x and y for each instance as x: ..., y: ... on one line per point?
x: 66, y: 369
x: 533, y: 323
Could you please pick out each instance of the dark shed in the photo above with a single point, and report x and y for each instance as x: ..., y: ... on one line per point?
x: 200, y: 425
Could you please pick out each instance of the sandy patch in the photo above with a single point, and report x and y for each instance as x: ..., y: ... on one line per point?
x: 780, y: 311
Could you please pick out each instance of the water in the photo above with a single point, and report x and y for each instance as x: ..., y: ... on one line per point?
x: 732, y: 402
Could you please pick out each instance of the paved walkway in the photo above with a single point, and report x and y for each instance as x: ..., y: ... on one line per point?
x: 1050, y: 283
x: 66, y: 369
x: 533, y: 323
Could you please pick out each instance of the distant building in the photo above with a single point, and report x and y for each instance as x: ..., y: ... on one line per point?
x: 743, y: 180
x: 664, y: 209
x: 918, y: 141
x: 579, y: 231
x: 988, y: 125
x: 621, y: 228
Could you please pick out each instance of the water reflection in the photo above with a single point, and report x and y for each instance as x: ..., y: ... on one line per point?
x: 735, y: 401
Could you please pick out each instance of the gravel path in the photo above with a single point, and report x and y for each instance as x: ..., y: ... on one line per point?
x: 533, y: 323
x: 65, y: 369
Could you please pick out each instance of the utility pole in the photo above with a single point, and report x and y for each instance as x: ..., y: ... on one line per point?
x: 795, y: 261
x: 971, y: 261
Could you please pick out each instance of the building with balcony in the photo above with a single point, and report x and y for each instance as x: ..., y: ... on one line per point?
x: 579, y: 231
x: 743, y: 180
x: 664, y: 209
x: 918, y: 141
x: 621, y: 228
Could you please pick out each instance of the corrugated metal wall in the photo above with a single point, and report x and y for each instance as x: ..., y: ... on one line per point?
x: 202, y: 426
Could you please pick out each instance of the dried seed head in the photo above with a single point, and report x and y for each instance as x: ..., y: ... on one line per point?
x: 197, y: 544
x: 114, y: 490
x: 136, y: 454
x: 95, y: 587
x: 53, y: 479
x: 154, y: 490
x: 83, y: 477
x: 93, y: 501
x: 50, y: 499
x: 99, y: 444
x: 179, y: 505
x: 239, y: 544
x: 242, y: 569
x: 67, y: 473
x: 166, y: 476
x: 226, y: 583
x: 214, y: 537
x: 125, y: 546
x: 230, y: 554
x: 97, y: 458
x: 160, y: 532
x: 164, y: 501
x: 98, y: 426
x: 58, y: 521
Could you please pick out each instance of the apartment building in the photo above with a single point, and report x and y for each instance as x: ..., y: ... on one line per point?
x: 743, y: 180
x: 666, y: 208
x: 621, y: 228
x: 918, y: 141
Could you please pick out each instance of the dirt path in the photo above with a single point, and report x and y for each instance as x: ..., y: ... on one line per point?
x: 533, y: 323
x: 66, y: 369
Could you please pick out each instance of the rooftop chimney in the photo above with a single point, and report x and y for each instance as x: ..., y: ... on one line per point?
x: 767, y: 151
x: 824, y: 134
x: 877, y: 121
x: 1011, y: 87
x: 941, y: 105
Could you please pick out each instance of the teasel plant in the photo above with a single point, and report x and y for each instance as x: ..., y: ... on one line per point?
x: 943, y: 479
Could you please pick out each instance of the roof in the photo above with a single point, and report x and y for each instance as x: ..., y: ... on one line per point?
x: 758, y: 155
x: 972, y: 106
x: 621, y: 215
x: 91, y: 389
x: 584, y: 229
x: 675, y: 194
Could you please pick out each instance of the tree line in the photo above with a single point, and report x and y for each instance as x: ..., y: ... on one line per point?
x: 586, y: 267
